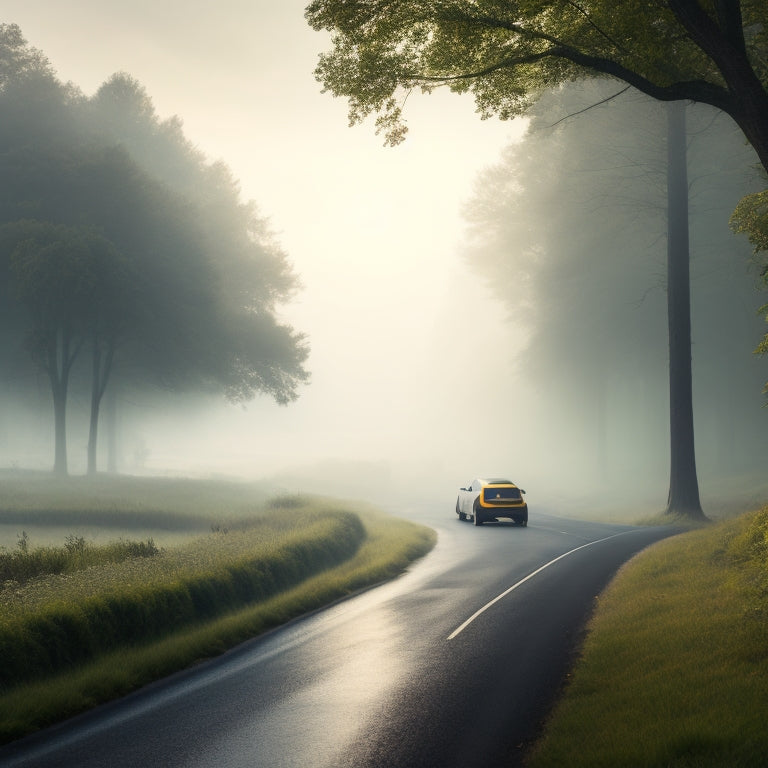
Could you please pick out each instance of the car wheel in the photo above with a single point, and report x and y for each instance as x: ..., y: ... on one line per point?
x: 476, y: 518
x: 461, y: 515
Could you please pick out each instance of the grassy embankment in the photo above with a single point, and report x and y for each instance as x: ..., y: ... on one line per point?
x: 674, y: 671
x: 81, y: 624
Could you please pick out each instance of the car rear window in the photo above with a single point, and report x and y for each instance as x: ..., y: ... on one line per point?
x: 501, y: 494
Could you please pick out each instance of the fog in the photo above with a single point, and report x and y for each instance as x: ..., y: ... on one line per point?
x: 419, y: 374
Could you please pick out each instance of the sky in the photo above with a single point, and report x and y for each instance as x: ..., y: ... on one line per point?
x: 395, y: 320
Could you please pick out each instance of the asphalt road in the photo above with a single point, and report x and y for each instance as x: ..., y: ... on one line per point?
x: 457, y: 663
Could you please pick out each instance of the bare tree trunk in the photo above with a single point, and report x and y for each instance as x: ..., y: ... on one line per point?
x: 93, y: 429
x: 102, y: 367
x: 683, y: 482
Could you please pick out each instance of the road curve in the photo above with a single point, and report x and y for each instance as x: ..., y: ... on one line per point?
x: 456, y: 663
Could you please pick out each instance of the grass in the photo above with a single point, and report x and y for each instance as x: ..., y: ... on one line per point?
x: 71, y: 640
x: 674, y: 671
x: 60, y: 620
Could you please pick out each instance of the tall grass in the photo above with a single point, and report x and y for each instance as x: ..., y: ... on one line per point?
x: 674, y: 671
x: 292, y: 548
x: 55, y: 622
x: 76, y: 554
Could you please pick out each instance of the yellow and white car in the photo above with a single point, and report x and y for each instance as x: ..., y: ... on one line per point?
x: 491, y: 498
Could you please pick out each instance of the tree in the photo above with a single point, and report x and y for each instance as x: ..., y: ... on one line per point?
x: 186, y: 309
x: 59, y: 274
x: 149, y: 279
x: 507, y: 52
x: 187, y: 278
x: 110, y: 317
x: 683, y: 482
x: 569, y: 229
x: 19, y: 59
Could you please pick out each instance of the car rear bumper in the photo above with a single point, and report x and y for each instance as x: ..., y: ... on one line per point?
x: 517, y: 513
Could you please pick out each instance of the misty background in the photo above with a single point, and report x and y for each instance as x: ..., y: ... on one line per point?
x: 487, y: 297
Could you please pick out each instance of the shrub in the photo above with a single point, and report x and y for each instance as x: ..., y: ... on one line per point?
x: 75, y: 555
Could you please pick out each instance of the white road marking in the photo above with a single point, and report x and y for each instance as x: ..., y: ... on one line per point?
x: 496, y: 599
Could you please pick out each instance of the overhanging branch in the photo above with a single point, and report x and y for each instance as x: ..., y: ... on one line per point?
x: 591, y: 106
x: 690, y: 90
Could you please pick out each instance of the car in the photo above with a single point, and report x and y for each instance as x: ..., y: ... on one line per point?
x: 491, y: 498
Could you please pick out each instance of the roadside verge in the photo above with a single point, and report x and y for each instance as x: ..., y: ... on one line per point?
x: 674, y: 670
x: 328, y: 571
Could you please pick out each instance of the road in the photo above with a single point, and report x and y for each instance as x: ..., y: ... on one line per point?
x: 456, y: 663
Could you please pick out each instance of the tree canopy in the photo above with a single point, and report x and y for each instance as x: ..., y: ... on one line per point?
x: 506, y: 52
x: 751, y: 216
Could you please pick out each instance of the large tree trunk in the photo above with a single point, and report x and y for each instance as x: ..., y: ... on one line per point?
x: 683, y: 483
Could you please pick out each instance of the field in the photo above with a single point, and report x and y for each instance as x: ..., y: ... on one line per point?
x: 94, y: 615
x: 674, y: 671
x: 105, y: 508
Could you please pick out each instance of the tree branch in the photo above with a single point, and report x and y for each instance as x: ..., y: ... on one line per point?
x: 730, y: 19
x: 594, y: 26
x: 720, y: 41
x: 591, y: 106
x: 691, y: 90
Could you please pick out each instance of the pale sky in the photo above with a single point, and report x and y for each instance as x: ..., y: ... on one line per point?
x: 394, y: 318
